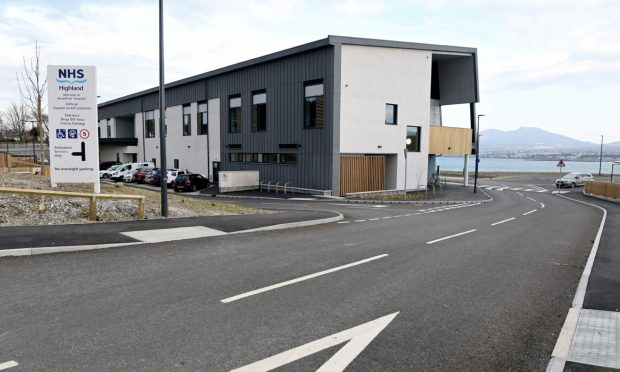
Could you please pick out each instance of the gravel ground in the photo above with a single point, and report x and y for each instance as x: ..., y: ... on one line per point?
x: 20, y: 210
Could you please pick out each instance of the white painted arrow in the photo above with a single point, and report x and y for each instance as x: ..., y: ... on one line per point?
x: 9, y: 364
x: 359, y: 337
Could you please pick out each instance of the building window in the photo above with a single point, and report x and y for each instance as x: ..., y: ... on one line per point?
x: 234, y: 114
x: 287, y: 159
x: 413, y: 139
x: 187, y: 120
x: 176, y: 163
x: 108, y: 128
x: 314, y: 105
x: 391, y: 114
x: 98, y: 132
x: 259, y: 111
x: 203, y: 118
x: 149, y: 123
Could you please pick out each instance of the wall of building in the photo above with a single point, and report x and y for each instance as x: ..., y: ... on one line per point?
x: 372, y: 77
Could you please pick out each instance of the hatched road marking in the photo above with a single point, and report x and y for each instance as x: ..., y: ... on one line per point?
x: 301, y: 279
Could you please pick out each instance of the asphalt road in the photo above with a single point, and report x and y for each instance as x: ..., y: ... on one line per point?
x: 492, y: 298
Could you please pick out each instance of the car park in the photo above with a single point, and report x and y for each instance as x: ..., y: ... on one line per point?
x: 155, y: 177
x: 126, y: 171
x: 140, y: 174
x: 149, y: 174
x: 190, y: 182
x: 573, y: 179
x: 172, y: 174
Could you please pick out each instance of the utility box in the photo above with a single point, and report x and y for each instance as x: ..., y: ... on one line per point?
x: 238, y: 180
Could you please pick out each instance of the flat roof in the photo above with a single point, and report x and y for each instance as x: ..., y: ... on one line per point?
x: 331, y: 40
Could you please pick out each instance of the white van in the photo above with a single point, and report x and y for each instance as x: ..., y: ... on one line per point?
x: 129, y: 169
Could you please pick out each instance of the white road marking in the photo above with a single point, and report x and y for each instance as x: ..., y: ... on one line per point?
x: 177, y: 233
x: 344, y: 222
x: 519, y: 194
x: 358, y: 338
x: 400, y: 215
x: 451, y: 236
x: 374, y: 219
x: 408, y: 214
x: 516, y: 189
x: 301, y: 279
x: 504, y: 221
x: 385, y: 218
x: 532, y: 199
x: 12, y: 363
x: 530, y: 212
x: 542, y: 205
x: 380, y: 206
x: 529, y: 190
x: 359, y: 221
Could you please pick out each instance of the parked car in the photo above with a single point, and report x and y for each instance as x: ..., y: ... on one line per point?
x: 139, y: 175
x: 155, y: 177
x: 106, y: 173
x: 190, y: 182
x: 149, y: 174
x: 107, y: 164
x: 172, y: 174
x: 573, y: 180
x: 128, y: 170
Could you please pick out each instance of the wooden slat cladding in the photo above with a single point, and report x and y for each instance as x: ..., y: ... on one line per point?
x: 449, y: 140
x: 607, y: 189
x: 360, y: 173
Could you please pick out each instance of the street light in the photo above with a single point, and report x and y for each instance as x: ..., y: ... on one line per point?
x: 477, y: 152
x: 162, y: 115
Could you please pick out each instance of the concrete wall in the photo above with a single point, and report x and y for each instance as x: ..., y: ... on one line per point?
x: 372, y: 77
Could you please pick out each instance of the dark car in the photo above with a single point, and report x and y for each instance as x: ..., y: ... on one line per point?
x: 189, y: 182
x: 155, y: 177
x: 138, y: 177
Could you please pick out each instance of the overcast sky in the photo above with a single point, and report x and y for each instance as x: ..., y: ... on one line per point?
x: 552, y: 64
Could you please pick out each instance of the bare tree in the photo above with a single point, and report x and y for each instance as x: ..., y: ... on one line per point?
x: 32, y: 87
x: 14, y: 120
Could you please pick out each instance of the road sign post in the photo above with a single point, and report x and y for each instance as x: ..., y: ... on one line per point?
x: 561, y: 165
x: 74, y: 142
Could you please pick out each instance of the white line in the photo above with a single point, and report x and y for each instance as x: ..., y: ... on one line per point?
x: 519, y: 194
x: 504, y: 221
x: 385, y: 218
x: 344, y: 222
x: 532, y: 199
x: 7, y: 365
x: 408, y: 214
x: 530, y: 212
x: 293, y: 281
x: 542, y: 205
x: 373, y: 219
x: 359, y: 221
x: 451, y: 236
x: 400, y: 215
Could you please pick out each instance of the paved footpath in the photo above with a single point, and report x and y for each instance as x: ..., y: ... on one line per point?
x: 595, y: 343
x: 147, y: 230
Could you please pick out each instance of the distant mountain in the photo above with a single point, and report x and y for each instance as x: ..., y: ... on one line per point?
x: 529, y: 139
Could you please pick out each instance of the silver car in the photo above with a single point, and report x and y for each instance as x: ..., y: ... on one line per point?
x: 573, y: 180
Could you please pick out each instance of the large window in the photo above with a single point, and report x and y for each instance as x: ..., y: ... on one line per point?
x: 108, y: 128
x: 234, y: 114
x: 149, y: 124
x: 259, y: 111
x: 391, y: 114
x: 413, y: 139
x: 187, y: 120
x: 314, y: 105
x: 274, y: 158
x: 203, y: 118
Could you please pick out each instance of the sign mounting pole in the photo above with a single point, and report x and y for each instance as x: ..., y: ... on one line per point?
x: 162, y: 115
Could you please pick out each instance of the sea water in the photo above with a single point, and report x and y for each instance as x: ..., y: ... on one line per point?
x: 453, y: 163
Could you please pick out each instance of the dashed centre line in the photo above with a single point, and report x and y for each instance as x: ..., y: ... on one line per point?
x: 501, y: 222
x: 9, y: 364
x: 530, y: 212
x: 359, y: 221
x: 532, y: 199
x: 451, y: 236
x: 301, y: 279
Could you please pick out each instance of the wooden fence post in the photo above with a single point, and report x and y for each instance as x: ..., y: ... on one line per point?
x: 92, y: 208
x: 141, y: 209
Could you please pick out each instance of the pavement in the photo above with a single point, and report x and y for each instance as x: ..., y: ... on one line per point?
x: 468, y: 286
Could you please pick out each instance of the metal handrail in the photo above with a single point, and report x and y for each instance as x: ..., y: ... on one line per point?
x: 286, y: 184
x: 277, y: 185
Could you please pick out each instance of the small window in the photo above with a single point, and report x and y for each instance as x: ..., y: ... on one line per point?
x: 176, y: 163
x: 234, y: 114
x: 203, y: 118
x: 314, y: 105
x: 287, y: 158
x: 154, y: 162
x: 109, y: 128
x: 413, y: 139
x: 391, y: 114
x: 270, y: 158
x: 187, y: 120
x: 149, y: 124
x: 259, y: 111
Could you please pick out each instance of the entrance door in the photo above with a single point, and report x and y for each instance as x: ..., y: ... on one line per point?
x: 216, y: 171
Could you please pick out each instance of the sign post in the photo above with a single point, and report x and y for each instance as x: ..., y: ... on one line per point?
x: 561, y: 165
x: 73, y: 134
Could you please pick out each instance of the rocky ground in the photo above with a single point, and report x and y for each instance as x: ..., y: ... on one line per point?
x: 19, y: 210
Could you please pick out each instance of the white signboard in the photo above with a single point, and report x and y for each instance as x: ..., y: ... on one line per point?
x: 73, y: 124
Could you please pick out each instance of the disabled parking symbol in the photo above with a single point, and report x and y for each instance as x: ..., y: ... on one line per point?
x: 61, y: 133
x: 73, y: 133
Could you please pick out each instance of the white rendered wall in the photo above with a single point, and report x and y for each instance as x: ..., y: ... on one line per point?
x: 372, y: 77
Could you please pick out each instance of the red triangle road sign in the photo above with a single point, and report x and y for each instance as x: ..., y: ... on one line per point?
x: 561, y: 163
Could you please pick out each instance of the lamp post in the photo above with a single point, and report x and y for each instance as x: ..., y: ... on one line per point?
x: 477, y: 152
x: 162, y: 115
x: 600, y: 160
